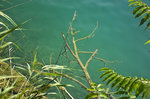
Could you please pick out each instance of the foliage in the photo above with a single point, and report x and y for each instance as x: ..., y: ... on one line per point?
x: 141, y: 10
x: 96, y: 91
x: 130, y: 86
x: 27, y: 81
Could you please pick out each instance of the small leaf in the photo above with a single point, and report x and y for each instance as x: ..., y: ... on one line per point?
x: 134, y: 86
x: 130, y: 0
x: 123, y: 83
x: 128, y: 85
x: 144, y: 19
x: 109, y: 76
x: 50, y: 74
x: 141, y: 13
x: 29, y: 69
x: 148, y: 25
x: 91, y: 89
x: 140, y: 89
x: 5, y: 45
x: 120, y: 92
x: 137, y: 9
x: 6, y: 59
x: 8, y: 18
x: 147, y: 42
x: 112, y: 79
x: 6, y: 91
x: 105, y: 73
x: 5, y: 77
x: 146, y: 92
x: 34, y: 61
x: 133, y: 2
x: 104, y: 95
x: 104, y: 69
x: 91, y: 95
x: 117, y: 81
x: 125, y: 97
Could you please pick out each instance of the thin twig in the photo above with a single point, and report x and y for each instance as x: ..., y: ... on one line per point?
x: 73, y: 79
x: 86, y: 65
x: 68, y: 46
x: 15, y: 6
x: 90, y: 35
x: 85, y: 52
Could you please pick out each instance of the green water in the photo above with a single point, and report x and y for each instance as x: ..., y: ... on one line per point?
x: 118, y: 36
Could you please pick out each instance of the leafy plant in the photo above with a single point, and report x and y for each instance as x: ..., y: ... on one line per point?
x: 131, y: 86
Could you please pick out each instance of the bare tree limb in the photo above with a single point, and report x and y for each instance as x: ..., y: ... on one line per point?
x: 86, y: 65
x: 68, y: 46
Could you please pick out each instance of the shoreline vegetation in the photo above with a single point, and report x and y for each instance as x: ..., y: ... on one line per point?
x: 35, y: 80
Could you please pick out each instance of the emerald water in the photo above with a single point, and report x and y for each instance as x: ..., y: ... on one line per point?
x: 118, y: 36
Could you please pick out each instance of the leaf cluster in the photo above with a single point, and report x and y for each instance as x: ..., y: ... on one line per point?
x: 96, y: 91
x: 141, y: 10
x: 131, y: 86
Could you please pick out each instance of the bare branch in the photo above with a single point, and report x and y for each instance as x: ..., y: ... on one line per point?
x: 86, y: 52
x: 86, y: 65
x: 75, y: 80
x: 90, y: 35
x: 68, y: 46
x: 106, y: 61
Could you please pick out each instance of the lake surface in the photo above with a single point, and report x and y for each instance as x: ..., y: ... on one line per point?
x: 118, y: 37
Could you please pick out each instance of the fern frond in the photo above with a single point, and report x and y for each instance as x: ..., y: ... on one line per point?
x: 130, y: 85
x: 140, y: 10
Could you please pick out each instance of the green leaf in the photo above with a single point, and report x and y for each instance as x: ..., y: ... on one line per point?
x: 29, y: 69
x: 141, y: 13
x: 146, y: 91
x: 140, y: 89
x: 120, y: 92
x: 134, y: 86
x: 8, y: 18
x: 105, y: 73
x: 128, y: 85
x: 112, y: 79
x: 5, y: 33
x: 125, y: 97
x: 137, y: 9
x: 100, y: 89
x: 104, y: 95
x: 123, y: 83
x: 5, y: 77
x: 6, y: 59
x: 34, y: 61
x: 50, y: 74
x: 117, y: 81
x: 91, y: 89
x: 148, y: 25
x: 20, y: 94
x: 130, y: 0
x: 104, y: 69
x: 4, y: 25
x: 109, y: 76
x: 144, y: 19
x: 5, y: 45
x: 21, y: 68
x: 17, y: 47
x: 147, y: 42
x: 91, y: 95
x: 133, y: 2
x: 6, y: 91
